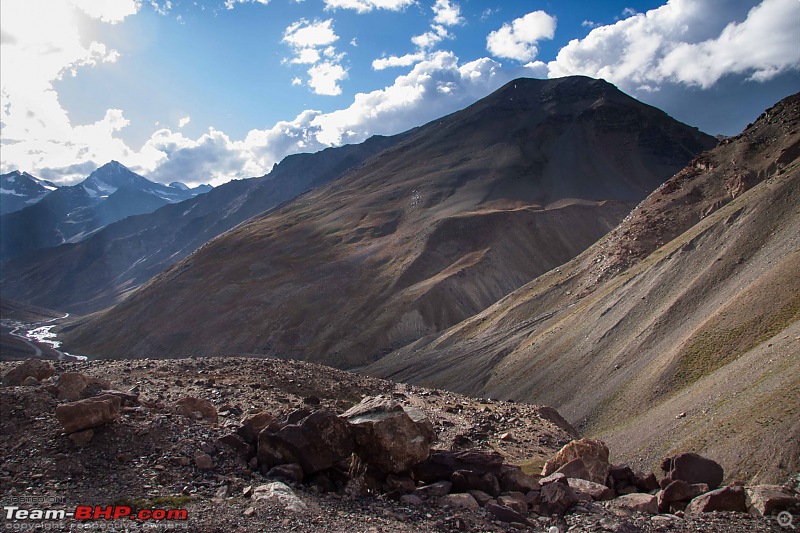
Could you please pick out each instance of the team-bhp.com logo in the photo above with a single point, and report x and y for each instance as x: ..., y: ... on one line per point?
x: 88, y: 512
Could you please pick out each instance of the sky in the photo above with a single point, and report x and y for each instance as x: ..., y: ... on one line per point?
x: 209, y: 91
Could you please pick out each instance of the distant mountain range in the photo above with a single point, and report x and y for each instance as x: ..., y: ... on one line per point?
x: 20, y: 189
x: 101, y: 269
x: 52, y: 215
x: 434, y: 227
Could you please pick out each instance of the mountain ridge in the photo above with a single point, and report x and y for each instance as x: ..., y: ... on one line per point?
x: 330, y: 275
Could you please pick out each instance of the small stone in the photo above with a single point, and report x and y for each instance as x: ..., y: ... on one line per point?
x: 410, y: 499
x: 203, y: 461
x: 247, y: 491
x: 82, y: 438
x: 434, y: 490
x: 292, y: 473
x: 460, y: 501
x: 506, y: 514
x: 595, y: 490
x: 197, y: 409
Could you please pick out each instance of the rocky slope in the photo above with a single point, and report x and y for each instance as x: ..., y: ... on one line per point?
x: 428, y: 232
x: 174, y: 435
x: 679, y: 330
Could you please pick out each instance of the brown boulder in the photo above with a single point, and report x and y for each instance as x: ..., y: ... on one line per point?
x: 316, y: 442
x: 253, y: 425
x: 35, y: 368
x: 434, y: 490
x: 461, y: 501
x: 638, y: 502
x: 593, y: 453
x: 70, y: 386
x: 729, y: 498
x: 441, y: 464
x: 197, y: 409
x: 558, y: 497
x: 679, y: 491
x: 506, y: 514
x: 595, y: 490
x: 764, y: 500
x: 292, y: 472
x: 88, y: 413
x: 693, y: 468
x: 386, y: 436
x: 512, y: 478
x: 514, y: 500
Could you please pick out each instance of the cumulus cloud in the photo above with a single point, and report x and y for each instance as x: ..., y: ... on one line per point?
x: 688, y: 42
x: 518, y: 39
x: 230, y: 4
x: 365, y: 6
x: 42, y: 44
x: 398, y: 61
x: 311, y: 43
x: 445, y: 14
x: 184, y: 121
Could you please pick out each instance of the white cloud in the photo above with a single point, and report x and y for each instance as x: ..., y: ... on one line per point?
x: 688, y: 42
x: 324, y: 78
x: 41, y: 44
x: 184, y: 121
x: 304, y: 34
x: 395, y: 61
x: 429, y: 39
x: 311, y: 41
x: 111, y: 11
x: 518, y: 39
x: 230, y: 4
x: 365, y: 6
x: 447, y: 13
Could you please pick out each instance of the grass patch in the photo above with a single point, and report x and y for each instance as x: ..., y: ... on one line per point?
x: 711, y: 350
x: 175, y: 501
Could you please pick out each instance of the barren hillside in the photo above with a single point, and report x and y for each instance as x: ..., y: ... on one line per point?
x: 679, y: 330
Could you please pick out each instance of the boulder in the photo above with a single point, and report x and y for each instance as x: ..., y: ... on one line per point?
x: 638, y: 502
x: 729, y: 498
x: 317, y: 442
x: 464, y: 480
x: 197, y: 409
x: 558, y: 497
x: 82, y: 438
x: 621, y: 475
x: 70, y: 386
x: 514, y: 500
x: 679, y: 491
x: 556, y: 477
x: 241, y: 448
x: 765, y: 500
x: 253, y: 425
x: 386, y: 436
x: 461, y: 501
x: 35, y: 368
x: 280, y: 493
x: 203, y: 461
x: 645, y: 482
x: 506, y: 514
x: 593, y: 453
x: 293, y: 473
x: 434, y: 490
x: 411, y: 499
x: 441, y: 464
x: 693, y: 468
x: 512, y: 478
x: 575, y: 469
x: 595, y: 490
x: 88, y: 413
x: 126, y: 398
x: 481, y: 497
x: 403, y: 484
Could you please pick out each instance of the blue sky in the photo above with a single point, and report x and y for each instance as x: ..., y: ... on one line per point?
x: 216, y: 90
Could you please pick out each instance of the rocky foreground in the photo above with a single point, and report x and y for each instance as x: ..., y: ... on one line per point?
x: 247, y: 445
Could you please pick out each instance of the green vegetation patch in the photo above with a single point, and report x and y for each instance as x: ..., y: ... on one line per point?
x: 711, y: 350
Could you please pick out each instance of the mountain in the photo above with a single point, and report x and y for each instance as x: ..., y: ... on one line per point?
x: 679, y: 330
x: 20, y: 189
x: 70, y: 214
x: 423, y: 235
x: 98, y: 271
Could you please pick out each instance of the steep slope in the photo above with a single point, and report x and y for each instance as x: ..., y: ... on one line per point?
x: 425, y: 234
x: 69, y: 214
x: 678, y: 330
x: 99, y: 271
x: 20, y: 189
